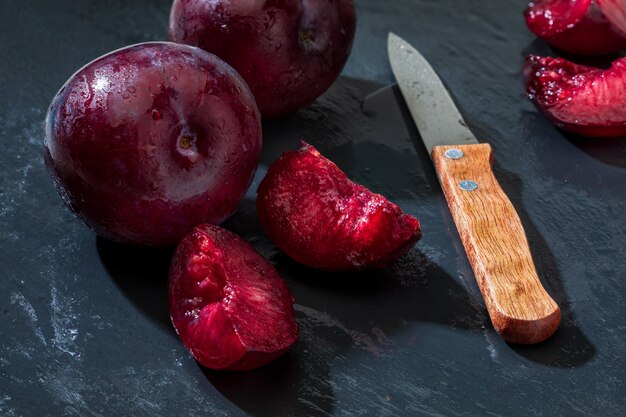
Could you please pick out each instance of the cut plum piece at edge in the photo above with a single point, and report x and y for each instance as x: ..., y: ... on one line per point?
x: 579, y: 27
x: 549, y: 17
x: 580, y: 99
x: 615, y: 11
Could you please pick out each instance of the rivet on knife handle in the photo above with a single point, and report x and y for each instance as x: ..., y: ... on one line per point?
x: 520, y: 308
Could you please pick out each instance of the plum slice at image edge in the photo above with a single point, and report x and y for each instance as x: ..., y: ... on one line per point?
x: 581, y: 27
x: 316, y: 215
x: 581, y: 99
x: 549, y: 17
x: 615, y: 11
x: 228, y: 304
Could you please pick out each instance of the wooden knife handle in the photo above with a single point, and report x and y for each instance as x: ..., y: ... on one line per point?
x: 520, y: 308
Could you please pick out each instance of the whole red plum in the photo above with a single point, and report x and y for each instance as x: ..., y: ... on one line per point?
x: 150, y: 140
x: 288, y: 51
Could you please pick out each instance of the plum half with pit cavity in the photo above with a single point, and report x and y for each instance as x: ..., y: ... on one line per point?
x: 228, y: 304
x: 581, y: 27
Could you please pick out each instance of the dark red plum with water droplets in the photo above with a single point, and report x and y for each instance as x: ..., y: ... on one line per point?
x: 581, y: 99
x: 228, y: 304
x: 581, y: 27
x: 289, y: 51
x: 150, y: 140
x: 311, y: 210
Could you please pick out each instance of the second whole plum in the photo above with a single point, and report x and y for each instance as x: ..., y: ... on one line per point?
x: 288, y: 51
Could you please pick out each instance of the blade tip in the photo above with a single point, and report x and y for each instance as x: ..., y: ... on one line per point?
x: 393, y: 42
x: 391, y: 37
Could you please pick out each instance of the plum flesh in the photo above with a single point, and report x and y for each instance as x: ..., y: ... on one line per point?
x: 585, y: 100
x: 150, y: 140
x: 288, y: 51
x: 228, y: 304
x: 311, y: 210
x: 615, y: 11
x: 580, y: 27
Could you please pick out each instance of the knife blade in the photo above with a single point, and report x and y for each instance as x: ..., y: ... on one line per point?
x: 520, y: 308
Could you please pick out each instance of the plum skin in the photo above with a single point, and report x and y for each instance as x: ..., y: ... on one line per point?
x: 147, y: 141
x: 288, y: 51
x: 228, y: 304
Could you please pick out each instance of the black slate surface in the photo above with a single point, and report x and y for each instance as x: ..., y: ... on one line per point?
x: 84, y: 326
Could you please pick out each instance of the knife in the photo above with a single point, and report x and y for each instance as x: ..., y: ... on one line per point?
x: 493, y: 237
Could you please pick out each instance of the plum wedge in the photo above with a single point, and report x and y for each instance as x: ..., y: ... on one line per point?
x: 580, y: 27
x: 228, y: 304
x: 311, y: 210
x: 581, y: 99
x: 615, y: 11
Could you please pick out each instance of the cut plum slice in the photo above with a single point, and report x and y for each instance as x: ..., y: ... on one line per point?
x: 228, y: 304
x: 311, y: 210
x: 576, y: 26
x: 549, y: 17
x: 581, y: 99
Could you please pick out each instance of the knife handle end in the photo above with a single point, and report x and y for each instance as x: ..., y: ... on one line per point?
x: 495, y: 242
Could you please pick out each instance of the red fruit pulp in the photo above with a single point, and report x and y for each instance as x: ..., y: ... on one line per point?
x: 228, y: 304
x: 311, y: 210
x: 549, y: 17
x: 150, y: 140
x: 288, y: 51
x: 578, y: 98
x: 576, y: 26
x: 615, y: 11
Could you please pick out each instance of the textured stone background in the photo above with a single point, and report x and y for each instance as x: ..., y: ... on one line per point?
x: 84, y: 327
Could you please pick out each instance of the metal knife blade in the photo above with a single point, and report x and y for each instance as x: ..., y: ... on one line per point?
x: 436, y: 116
